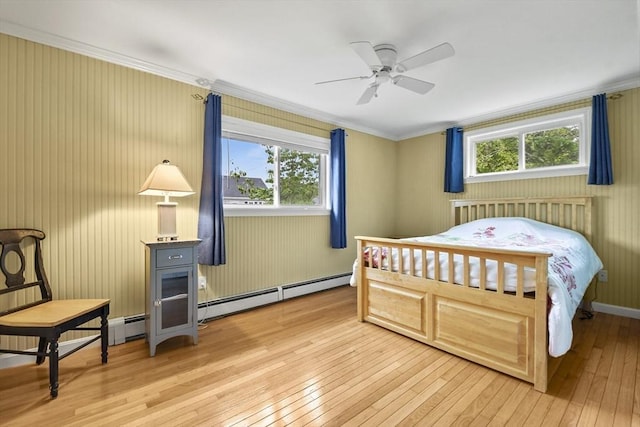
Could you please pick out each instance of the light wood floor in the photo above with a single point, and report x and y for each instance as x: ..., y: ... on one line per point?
x: 308, y: 361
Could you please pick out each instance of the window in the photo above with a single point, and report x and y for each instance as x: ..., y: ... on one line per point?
x: 553, y: 145
x: 273, y: 171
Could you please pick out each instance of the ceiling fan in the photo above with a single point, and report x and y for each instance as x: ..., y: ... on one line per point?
x: 381, y: 60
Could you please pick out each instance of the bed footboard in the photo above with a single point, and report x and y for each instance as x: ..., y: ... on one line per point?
x: 503, y: 330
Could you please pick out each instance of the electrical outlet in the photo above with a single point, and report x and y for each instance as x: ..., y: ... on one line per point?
x: 202, y: 282
x: 603, y: 276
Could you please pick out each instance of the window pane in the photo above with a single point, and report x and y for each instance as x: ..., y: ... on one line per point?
x: 247, y: 177
x: 299, y: 178
x: 552, y: 147
x: 497, y: 155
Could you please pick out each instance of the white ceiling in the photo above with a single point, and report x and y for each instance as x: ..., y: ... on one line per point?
x: 511, y: 55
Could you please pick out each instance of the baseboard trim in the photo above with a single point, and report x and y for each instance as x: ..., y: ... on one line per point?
x: 237, y: 303
x: 133, y: 327
x: 633, y: 313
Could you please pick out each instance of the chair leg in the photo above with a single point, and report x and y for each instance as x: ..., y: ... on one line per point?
x: 104, y: 336
x: 42, y: 351
x: 53, y: 368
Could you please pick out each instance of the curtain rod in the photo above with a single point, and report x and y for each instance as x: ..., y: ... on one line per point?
x: 199, y: 97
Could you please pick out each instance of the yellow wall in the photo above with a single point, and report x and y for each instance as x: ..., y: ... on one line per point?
x: 78, y: 136
x: 423, y: 209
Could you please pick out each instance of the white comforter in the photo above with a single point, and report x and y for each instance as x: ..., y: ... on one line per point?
x: 571, y: 267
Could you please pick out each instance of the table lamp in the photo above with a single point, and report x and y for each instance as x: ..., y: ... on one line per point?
x: 166, y: 180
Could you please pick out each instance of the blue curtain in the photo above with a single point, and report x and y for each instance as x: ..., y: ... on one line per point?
x: 211, y: 250
x: 338, y: 193
x: 600, y: 170
x: 453, y: 167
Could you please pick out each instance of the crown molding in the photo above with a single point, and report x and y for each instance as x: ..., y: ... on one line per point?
x: 227, y: 88
x: 94, y: 52
x: 220, y: 86
x: 230, y: 89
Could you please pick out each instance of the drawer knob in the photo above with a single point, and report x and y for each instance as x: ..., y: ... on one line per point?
x: 175, y: 257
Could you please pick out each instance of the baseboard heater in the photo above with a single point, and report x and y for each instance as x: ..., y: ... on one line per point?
x: 237, y: 303
x: 132, y: 327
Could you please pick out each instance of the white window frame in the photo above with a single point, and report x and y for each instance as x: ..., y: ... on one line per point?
x: 284, y: 138
x: 580, y: 117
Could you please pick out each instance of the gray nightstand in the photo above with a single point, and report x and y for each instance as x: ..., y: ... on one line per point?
x: 171, y: 291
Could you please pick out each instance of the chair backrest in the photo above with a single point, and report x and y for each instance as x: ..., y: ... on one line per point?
x: 20, y: 270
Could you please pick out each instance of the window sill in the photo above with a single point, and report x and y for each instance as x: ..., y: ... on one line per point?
x: 233, y: 211
x: 531, y: 174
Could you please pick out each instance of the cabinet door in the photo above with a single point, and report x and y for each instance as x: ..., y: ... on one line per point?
x: 174, y: 304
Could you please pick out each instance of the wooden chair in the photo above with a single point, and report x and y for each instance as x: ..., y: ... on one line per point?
x: 22, y: 314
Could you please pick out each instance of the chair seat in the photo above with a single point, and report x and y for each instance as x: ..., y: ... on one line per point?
x: 52, y: 313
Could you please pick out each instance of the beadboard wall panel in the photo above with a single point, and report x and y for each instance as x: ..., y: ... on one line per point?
x: 78, y: 136
x: 423, y: 207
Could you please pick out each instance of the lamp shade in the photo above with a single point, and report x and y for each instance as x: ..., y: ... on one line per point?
x: 166, y: 180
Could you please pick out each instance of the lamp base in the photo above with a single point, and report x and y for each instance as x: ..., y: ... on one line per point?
x: 167, y: 221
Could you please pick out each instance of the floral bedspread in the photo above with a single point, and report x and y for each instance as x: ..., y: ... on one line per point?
x: 571, y: 267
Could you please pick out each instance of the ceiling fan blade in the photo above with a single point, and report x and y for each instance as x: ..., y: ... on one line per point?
x: 437, y: 53
x: 368, y: 94
x: 414, y: 85
x: 342, y: 80
x: 367, y: 53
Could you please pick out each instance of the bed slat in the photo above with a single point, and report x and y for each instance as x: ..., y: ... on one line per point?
x: 451, y: 268
x: 520, y: 281
x: 500, y: 277
x: 467, y: 271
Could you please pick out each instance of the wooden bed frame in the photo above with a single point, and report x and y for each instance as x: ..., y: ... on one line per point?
x: 505, y: 331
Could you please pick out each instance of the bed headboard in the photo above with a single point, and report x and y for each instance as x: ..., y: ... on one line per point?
x: 572, y: 212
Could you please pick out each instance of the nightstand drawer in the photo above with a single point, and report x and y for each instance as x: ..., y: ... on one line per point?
x: 176, y: 256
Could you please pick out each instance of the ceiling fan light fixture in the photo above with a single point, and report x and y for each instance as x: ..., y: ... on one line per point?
x: 381, y: 60
x: 387, y: 54
x: 383, y: 77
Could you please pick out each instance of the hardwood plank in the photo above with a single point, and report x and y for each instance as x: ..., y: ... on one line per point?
x: 525, y: 408
x: 308, y: 361
x: 562, y: 388
x: 282, y: 396
x: 585, y: 348
x: 435, y: 406
x: 539, y: 411
x: 314, y: 412
x: 494, y: 405
x: 510, y: 406
x: 468, y: 396
x: 606, y: 413
x: 375, y: 400
x: 596, y: 392
x: 330, y: 390
x: 624, y: 408
x: 405, y: 398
